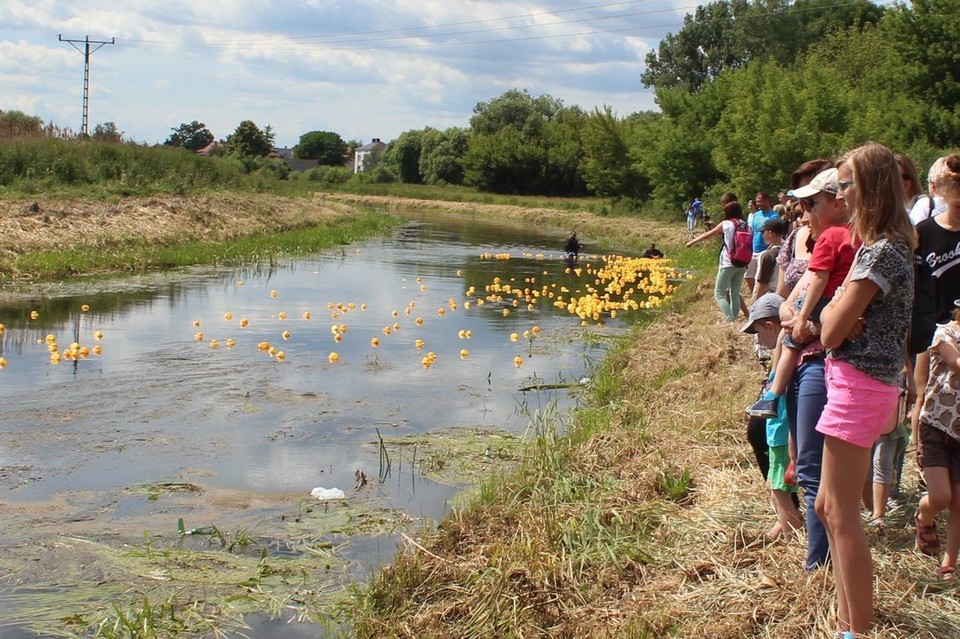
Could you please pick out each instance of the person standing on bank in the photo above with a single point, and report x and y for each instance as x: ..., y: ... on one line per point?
x: 764, y: 212
x: 726, y: 290
x: 864, y: 328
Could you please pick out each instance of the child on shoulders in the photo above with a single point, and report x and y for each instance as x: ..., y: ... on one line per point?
x: 832, y: 257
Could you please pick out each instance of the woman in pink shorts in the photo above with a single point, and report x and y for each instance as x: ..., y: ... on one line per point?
x: 864, y: 329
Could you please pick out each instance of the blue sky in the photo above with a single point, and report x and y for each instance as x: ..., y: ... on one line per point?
x: 360, y: 68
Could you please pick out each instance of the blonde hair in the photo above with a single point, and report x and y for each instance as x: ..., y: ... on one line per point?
x: 936, y: 172
x: 948, y: 180
x: 878, y: 209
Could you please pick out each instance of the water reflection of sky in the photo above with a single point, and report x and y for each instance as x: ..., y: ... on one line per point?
x: 160, y: 406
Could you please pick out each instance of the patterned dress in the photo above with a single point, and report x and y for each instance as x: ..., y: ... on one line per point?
x: 943, y: 388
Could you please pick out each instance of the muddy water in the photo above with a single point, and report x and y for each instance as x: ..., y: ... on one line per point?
x: 117, y: 447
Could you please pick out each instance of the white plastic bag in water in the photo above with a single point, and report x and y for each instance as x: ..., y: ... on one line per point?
x: 325, y: 494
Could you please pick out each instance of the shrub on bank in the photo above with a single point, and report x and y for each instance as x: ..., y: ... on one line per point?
x: 57, y: 166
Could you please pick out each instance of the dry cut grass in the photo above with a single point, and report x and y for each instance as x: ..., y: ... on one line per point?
x: 647, y: 521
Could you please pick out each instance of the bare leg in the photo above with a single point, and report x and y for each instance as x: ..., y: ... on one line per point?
x: 838, y: 505
x: 785, y: 367
x: 881, y: 493
x: 952, y: 546
x: 921, y: 373
x: 938, y: 497
x: 788, y: 517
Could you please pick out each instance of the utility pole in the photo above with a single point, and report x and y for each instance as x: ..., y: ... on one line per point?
x: 86, y: 51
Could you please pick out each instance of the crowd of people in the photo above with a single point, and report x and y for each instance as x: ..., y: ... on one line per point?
x: 854, y: 289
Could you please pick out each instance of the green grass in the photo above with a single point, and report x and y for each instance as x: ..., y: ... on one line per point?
x: 91, y: 170
x: 135, y: 254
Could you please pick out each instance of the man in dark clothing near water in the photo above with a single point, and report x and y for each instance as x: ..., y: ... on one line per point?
x: 572, y: 248
x: 653, y: 252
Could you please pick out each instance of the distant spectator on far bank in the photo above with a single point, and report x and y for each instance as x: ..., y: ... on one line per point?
x: 653, y: 252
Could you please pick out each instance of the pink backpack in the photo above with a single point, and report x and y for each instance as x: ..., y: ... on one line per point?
x: 741, y: 252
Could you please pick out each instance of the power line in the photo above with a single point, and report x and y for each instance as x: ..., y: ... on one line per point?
x: 379, y: 43
x: 443, y: 25
x: 86, y: 51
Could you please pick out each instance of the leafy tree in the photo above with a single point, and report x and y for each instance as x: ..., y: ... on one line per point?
x: 608, y: 168
x: 403, y: 156
x: 930, y: 67
x: 522, y: 144
x: 249, y: 140
x: 727, y: 34
x: 17, y: 124
x: 324, y: 146
x: 674, y: 151
x: 107, y: 132
x: 441, y: 157
x: 517, y: 109
x: 192, y: 137
x: 504, y: 162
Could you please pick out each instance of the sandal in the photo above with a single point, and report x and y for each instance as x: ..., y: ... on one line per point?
x: 946, y: 572
x: 928, y: 541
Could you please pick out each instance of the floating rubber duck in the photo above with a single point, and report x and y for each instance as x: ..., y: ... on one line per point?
x: 333, y: 357
x: 228, y: 316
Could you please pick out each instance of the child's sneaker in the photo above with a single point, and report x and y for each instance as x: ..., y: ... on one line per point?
x: 766, y: 408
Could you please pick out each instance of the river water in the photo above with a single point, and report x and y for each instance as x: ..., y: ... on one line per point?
x: 163, y: 426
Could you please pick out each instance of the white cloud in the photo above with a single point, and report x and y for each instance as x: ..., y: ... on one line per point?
x: 367, y: 68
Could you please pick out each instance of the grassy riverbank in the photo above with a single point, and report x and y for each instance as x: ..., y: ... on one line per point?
x: 647, y: 520
x: 49, y: 238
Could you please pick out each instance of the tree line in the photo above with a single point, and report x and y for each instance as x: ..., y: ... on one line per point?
x: 746, y: 89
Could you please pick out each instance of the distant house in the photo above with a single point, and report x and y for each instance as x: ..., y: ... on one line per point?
x: 208, y: 150
x: 362, y: 154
